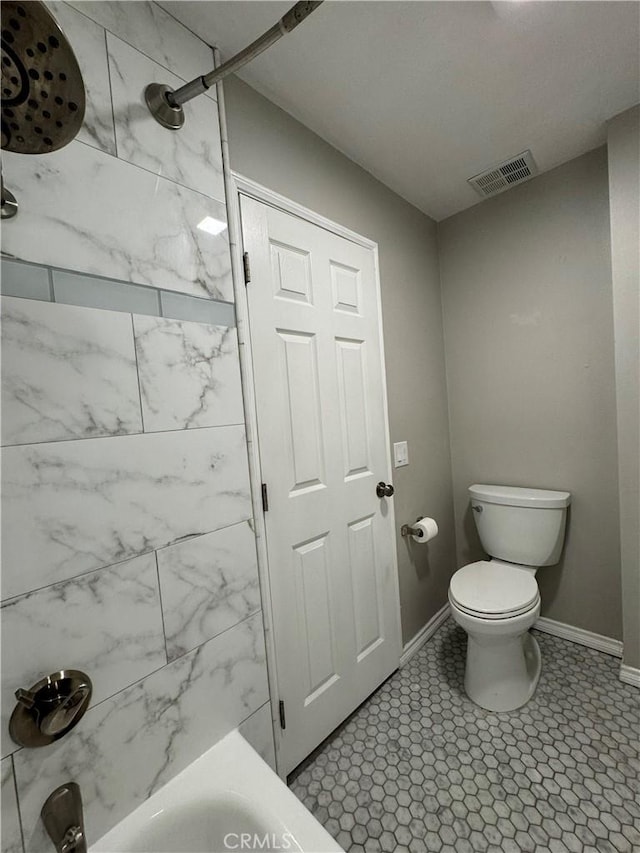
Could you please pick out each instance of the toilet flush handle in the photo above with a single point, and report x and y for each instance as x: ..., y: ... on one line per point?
x: 477, y: 508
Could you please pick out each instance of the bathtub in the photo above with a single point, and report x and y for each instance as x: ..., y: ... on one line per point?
x: 228, y: 800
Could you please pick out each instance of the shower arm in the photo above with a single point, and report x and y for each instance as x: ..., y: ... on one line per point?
x: 165, y: 103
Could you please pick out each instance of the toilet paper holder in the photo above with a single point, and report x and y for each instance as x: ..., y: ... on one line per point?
x: 407, y: 530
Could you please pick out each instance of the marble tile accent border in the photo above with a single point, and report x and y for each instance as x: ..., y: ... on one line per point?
x: 189, y: 374
x: 118, y: 220
x: 34, y: 281
x: 130, y: 745
x: 181, y: 307
x: 77, y: 289
x: 67, y: 373
x: 208, y: 584
x: 106, y: 623
x: 25, y: 280
x: 73, y: 506
x: 10, y: 832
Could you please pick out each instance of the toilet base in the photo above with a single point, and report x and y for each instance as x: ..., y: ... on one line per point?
x: 502, y: 673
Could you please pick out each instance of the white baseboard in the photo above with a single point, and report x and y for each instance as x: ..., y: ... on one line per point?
x: 630, y: 675
x: 578, y: 635
x: 598, y: 642
x: 424, y: 634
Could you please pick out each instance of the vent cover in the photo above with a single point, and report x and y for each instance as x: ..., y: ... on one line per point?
x: 499, y: 178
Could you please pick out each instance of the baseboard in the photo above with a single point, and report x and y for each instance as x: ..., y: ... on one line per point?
x: 578, y: 635
x: 630, y: 675
x: 424, y: 634
x: 598, y: 642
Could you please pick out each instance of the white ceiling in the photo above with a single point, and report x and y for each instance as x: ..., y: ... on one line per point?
x: 426, y: 94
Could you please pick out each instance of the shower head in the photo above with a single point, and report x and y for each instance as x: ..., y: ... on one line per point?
x: 43, y: 96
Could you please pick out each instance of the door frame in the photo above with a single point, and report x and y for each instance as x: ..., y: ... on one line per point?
x: 242, y: 185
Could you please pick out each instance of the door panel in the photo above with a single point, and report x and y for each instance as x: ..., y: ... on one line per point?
x: 346, y: 288
x: 315, y: 337
x: 314, y: 613
x: 367, y: 612
x: 353, y: 407
x: 291, y: 273
x: 300, y: 368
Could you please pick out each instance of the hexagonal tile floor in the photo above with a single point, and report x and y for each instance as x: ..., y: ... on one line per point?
x: 419, y: 767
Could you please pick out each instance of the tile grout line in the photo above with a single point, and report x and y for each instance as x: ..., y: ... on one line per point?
x: 18, y: 807
x: 180, y: 540
x: 158, y: 177
x: 188, y: 29
x: 138, y: 380
x: 113, y: 113
x: 251, y: 615
x: 122, y: 435
x: 164, y: 629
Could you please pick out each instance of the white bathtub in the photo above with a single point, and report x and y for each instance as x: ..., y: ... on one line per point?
x: 227, y: 800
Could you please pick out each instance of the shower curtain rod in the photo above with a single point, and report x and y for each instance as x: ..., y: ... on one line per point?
x: 165, y: 103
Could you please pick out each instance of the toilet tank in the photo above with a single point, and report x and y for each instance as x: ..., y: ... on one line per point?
x: 524, y: 526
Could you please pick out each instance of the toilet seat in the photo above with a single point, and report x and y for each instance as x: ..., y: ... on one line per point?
x: 490, y: 590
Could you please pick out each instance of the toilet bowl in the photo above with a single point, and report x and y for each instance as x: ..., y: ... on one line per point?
x: 497, y: 604
x: 497, y: 601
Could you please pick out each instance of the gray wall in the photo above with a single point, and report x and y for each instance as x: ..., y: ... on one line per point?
x: 526, y: 282
x: 624, y: 201
x: 271, y: 147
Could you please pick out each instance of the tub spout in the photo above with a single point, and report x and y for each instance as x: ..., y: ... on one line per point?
x: 63, y: 819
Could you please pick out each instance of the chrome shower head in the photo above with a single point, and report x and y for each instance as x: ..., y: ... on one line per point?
x: 43, y: 97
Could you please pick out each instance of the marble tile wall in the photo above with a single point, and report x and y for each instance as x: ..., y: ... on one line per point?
x: 74, y: 506
x: 148, y: 733
x: 135, y: 194
x: 118, y: 221
x: 128, y: 544
x: 88, y: 40
x: 75, y: 374
x: 106, y: 623
x: 208, y: 584
x: 10, y: 831
x: 192, y: 158
x: 128, y: 550
x: 193, y: 365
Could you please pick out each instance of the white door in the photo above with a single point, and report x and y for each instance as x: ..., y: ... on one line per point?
x: 322, y: 430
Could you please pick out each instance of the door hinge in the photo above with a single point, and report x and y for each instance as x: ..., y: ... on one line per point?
x: 283, y: 720
x: 247, y: 268
x: 265, y: 498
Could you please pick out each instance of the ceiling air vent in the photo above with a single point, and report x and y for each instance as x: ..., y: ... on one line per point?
x: 499, y: 178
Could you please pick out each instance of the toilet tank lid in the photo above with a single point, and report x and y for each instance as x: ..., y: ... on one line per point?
x: 515, y: 496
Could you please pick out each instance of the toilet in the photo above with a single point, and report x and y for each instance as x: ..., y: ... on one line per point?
x: 497, y: 601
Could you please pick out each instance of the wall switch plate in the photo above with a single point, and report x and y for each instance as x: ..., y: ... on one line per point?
x: 400, y: 454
